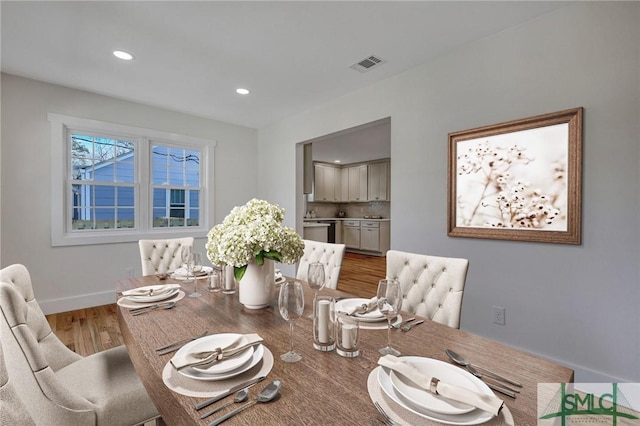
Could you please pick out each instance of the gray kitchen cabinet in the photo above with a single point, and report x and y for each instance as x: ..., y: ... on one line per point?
x: 378, y: 181
x: 357, y: 182
x: 351, y: 234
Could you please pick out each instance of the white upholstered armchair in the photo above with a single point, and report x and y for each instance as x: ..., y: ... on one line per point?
x: 329, y: 254
x: 432, y: 286
x: 56, y: 385
x: 162, y: 256
x: 12, y: 410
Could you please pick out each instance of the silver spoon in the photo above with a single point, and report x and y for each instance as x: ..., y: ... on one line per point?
x: 241, y: 396
x: 461, y: 361
x: 267, y: 394
x: 505, y: 390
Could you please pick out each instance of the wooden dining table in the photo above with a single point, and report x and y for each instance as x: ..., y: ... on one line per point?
x: 323, y: 388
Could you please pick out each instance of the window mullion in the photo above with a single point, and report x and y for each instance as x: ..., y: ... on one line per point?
x: 144, y: 208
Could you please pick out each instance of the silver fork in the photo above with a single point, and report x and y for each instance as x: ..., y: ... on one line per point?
x: 401, y: 323
x: 410, y: 326
x: 385, y: 417
x: 169, y: 305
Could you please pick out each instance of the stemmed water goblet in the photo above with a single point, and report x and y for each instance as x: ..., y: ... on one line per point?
x: 291, y: 305
x: 315, y: 278
x: 389, y: 303
x: 187, y: 261
x: 195, y: 268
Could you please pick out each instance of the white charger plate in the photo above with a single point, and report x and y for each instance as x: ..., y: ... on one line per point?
x: 347, y: 305
x: 181, y: 273
x: 473, y: 417
x: 172, y: 290
x: 192, y: 373
x: 423, y: 398
x: 213, y: 341
x: 126, y: 303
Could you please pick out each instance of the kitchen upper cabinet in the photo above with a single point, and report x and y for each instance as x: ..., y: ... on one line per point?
x: 378, y: 181
x: 344, y: 184
x: 357, y: 182
x: 327, y: 183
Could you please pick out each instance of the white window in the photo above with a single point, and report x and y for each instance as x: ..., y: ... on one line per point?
x: 115, y: 183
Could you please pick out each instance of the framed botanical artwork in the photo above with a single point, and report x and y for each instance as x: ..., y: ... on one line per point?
x: 520, y: 180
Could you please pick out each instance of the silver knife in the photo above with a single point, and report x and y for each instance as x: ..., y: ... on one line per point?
x: 172, y: 347
x: 234, y: 389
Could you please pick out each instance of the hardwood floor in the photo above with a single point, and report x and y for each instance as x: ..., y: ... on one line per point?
x: 360, y: 274
x: 92, y: 330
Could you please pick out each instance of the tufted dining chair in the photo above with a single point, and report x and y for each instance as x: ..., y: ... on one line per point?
x: 12, y: 410
x: 56, y: 385
x: 329, y: 254
x: 162, y: 256
x: 432, y: 286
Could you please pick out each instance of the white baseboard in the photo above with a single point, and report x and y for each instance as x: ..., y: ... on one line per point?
x: 53, y: 306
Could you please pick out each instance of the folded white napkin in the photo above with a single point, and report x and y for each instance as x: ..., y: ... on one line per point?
x: 487, y: 403
x: 147, y: 291
x: 182, y: 272
x: 365, y: 307
x: 209, y: 355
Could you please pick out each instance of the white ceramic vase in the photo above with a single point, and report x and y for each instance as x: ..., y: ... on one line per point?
x: 256, y: 288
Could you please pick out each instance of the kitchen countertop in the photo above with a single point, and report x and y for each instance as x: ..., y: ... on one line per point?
x: 315, y: 225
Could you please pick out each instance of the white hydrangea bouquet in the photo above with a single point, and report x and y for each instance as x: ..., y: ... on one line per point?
x: 252, y: 233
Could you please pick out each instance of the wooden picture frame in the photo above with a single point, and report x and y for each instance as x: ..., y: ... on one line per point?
x: 520, y: 180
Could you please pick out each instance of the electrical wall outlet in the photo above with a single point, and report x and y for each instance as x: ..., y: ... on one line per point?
x: 129, y: 272
x: 498, y: 315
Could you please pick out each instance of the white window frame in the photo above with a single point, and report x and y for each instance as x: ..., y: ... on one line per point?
x: 61, y: 232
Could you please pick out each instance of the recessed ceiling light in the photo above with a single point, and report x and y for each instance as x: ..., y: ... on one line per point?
x: 242, y: 91
x: 336, y: 161
x: 120, y: 54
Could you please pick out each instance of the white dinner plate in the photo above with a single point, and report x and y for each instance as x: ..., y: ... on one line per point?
x: 208, y: 343
x: 181, y: 273
x: 165, y: 293
x: 473, y: 417
x: 347, y: 305
x: 192, y: 373
x: 422, y: 398
x: 126, y: 303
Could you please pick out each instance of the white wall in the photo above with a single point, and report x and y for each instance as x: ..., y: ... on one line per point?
x: 67, y: 278
x: 578, y: 305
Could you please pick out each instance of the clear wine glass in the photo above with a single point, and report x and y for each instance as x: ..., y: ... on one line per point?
x: 187, y: 261
x: 195, y: 268
x: 389, y: 303
x: 315, y: 278
x: 291, y: 305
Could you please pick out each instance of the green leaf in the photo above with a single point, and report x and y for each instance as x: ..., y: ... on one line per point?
x: 238, y: 272
x: 273, y: 255
x: 260, y: 258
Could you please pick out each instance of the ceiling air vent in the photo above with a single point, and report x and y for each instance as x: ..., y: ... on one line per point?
x: 367, y: 63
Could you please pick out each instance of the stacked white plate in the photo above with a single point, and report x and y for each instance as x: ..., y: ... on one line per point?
x: 156, y: 293
x: 348, y: 305
x: 181, y: 273
x: 428, y: 405
x: 226, y: 368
